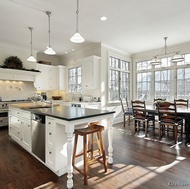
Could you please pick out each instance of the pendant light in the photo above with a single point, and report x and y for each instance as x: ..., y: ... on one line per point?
x: 176, y: 58
x: 49, y: 50
x: 77, y: 38
x: 31, y: 58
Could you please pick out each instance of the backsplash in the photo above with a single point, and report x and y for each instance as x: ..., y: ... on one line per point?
x: 16, y: 90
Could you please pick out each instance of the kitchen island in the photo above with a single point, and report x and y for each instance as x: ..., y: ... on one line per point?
x: 60, y: 124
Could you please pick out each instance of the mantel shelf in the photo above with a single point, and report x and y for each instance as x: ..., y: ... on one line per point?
x: 18, y: 75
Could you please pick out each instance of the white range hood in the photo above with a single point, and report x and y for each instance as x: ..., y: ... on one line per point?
x: 17, y: 75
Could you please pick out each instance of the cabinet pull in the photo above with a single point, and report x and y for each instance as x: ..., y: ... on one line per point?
x: 49, y: 123
x: 28, y: 125
x: 49, y: 152
x: 49, y: 133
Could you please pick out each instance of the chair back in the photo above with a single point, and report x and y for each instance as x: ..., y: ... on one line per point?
x: 139, y: 109
x: 124, y: 104
x: 167, y: 112
x: 159, y: 99
x: 181, y: 102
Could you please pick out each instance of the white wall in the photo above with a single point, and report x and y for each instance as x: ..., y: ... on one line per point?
x: 7, y: 50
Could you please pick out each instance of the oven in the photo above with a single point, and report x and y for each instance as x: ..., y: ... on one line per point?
x: 3, y: 114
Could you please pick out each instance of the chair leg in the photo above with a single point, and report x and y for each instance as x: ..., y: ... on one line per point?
x: 146, y: 128
x: 85, y: 161
x: 123, y: 120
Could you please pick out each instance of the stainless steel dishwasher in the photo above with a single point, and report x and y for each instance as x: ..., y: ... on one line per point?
x: 38, y: 136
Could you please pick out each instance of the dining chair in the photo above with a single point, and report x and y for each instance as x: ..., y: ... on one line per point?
x: 159, y: 99
x: 167, y: 113
x: 126, y: 110
x: 182, y: 103
x: 141, y: 117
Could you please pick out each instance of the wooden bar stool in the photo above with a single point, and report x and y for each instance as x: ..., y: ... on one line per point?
x: 88, y: 152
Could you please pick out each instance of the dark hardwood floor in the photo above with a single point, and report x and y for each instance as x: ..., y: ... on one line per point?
x: 138, y: 163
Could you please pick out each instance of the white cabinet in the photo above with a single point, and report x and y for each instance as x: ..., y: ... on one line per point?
x: 47, y: 79
x: 90, y: 72
x: 91, y: 105
x: 20, y: 127
x: 26, y: 129
x: 56, y: 145
x: 61, y: 77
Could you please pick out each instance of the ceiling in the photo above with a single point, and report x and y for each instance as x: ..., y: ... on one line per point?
x: 132, y: 26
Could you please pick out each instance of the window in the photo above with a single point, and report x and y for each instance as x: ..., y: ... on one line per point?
x: 118, y: 79
x: 75, y: 79
x: 166, y: 80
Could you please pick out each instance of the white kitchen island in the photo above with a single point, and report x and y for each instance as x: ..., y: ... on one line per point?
x: 61, y: 122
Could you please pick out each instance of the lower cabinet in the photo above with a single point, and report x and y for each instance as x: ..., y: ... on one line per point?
x: 20, y: 127
x: 56, y: 145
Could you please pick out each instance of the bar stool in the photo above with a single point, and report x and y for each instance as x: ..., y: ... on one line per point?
x: 88, y: 149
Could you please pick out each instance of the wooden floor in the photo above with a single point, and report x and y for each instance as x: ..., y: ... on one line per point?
x: 138, y: 163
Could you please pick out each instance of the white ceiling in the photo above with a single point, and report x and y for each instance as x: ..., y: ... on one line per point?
x: 132, y: 26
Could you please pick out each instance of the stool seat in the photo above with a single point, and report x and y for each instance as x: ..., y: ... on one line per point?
x: 88, y: 152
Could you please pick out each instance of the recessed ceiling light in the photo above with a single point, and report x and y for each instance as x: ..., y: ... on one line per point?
x: 103, y: 18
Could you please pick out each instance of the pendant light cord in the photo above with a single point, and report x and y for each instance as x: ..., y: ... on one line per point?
x: 49, y: 31
x: 30, y: 28
x: 77, y: 13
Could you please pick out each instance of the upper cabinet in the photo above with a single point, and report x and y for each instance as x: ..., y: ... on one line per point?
x: 50, y: 78
x: 90, y: 72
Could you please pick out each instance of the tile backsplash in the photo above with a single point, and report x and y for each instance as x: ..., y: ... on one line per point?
x: 16, y: 90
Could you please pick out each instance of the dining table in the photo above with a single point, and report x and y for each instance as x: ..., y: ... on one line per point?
x: 181, y: 111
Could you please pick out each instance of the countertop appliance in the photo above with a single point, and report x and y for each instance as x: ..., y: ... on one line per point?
x: 38, y: 136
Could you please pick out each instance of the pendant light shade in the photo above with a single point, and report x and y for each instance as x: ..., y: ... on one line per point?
x: 155, y: 61
x: 77, y: 38
x: 177, y: 58
x: 49, y: 50
x: 31, y: 58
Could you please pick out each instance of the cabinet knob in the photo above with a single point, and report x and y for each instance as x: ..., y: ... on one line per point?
x: 28, y: 125
x: 49, y: 123
x: 49, y: 133
x: 49, y: 152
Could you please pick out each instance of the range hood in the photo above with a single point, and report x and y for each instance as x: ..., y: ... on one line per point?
x: 17, y: 75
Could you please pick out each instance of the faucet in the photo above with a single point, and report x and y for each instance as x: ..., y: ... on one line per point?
x: 50, y: 102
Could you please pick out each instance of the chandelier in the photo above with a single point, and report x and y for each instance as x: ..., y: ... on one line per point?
x: 176, y: 58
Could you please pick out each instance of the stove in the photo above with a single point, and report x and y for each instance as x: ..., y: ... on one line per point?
x: 4, y: 106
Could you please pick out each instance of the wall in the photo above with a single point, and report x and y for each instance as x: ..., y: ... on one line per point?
x: 7, y: 50
x: 16, y: 90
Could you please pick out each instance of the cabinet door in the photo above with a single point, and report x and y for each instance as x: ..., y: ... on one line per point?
x: 61, y: 77
x: 47, y: 79
x: 26, y: 134
x: 42, y: 78
x: 90, y: 72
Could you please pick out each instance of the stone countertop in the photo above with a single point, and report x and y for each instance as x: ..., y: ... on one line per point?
x: 64, y: 112
x: 70, y: 113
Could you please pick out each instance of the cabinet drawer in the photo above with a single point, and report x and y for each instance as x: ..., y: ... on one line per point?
x: 14, y: 112
x: 50, y: 138
x: 15, y: 133
x: 50, y: 158
x: 14, y: 120
x: 26, y: 115
x: 50, y: 124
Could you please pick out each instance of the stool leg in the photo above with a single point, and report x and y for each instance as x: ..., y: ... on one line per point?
x: 103, y: 150
x: 85, y: 161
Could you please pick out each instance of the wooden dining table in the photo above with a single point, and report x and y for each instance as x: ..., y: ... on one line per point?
x: 182, y: 111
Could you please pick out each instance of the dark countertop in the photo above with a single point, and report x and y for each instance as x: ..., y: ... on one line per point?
x: 69, y: 113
